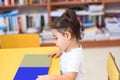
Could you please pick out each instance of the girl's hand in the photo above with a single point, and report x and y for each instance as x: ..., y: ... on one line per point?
x: 67, y: 76
x: 55, y: 54
x: 45, y: 77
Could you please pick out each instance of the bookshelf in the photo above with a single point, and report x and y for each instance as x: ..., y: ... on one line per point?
x: 74, y: 3
x: 9, y: 6
x: 25, y: 5
x: 13, y: 7
x: 49, y: 5
x: 92, y: 44
x: 111, y: 1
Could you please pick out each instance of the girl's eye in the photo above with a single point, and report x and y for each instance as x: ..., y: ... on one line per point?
x: 55, y: 38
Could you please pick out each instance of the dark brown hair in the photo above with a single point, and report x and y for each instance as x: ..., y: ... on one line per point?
x: 68, y: 21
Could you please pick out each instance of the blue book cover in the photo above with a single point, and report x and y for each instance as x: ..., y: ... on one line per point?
x: 2, y: 23
x: 12, y: 13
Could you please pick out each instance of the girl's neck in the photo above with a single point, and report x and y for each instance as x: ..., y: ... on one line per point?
x: 73, y: 43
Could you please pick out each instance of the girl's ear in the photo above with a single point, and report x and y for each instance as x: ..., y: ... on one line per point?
x: 67, y: 35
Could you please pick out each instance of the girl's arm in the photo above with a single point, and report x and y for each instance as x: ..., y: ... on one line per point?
x: 68, y: 76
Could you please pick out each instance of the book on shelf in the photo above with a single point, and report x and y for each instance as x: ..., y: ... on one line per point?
x: 19, y: 2
x: 42, y: 1
x: 9, y: 21
x: 46, y: 36
x: 2, y: 25
x: 95, y: 8
x: 94, y: 33
x: 13, y: 22
x: 59, y: 0
x: 59, y: 12
x: 75, y: 0
x: 112, y: 8
x: 89, y: 21
x: 87, y: 18
x: 36, y: 1
x: 102, y: 34
x: 34, y: 23
x: 112, y: 24
x: 89, y: 33
x: 113, y: 27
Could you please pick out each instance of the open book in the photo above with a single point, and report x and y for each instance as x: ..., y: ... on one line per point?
x: 32, y: 66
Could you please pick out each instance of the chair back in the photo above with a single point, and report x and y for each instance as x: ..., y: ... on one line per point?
x: 20, y: 40
x: 112, y: 69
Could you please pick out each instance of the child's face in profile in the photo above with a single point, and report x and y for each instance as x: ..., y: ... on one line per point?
x: 60, y: 40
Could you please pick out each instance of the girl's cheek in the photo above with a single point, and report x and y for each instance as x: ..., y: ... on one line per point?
x: 56, y: 43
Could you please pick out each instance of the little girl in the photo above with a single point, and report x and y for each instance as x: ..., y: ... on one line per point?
x: 67, y: 32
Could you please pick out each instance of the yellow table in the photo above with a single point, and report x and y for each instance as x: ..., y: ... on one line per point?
x: 10, y: 60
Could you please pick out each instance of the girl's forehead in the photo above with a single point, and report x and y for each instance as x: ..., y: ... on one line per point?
x: 54, y: 29
x: 55, y: 32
